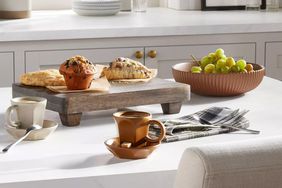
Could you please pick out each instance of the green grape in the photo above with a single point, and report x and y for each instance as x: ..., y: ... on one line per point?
x: 243, y: 71
x: 249, y: 67
x: 221, y: 63
x: 217, y: 69
x: 196, y: 69
x: 204, y: 61
x: 212, y: 57
x: 235, y: 68
x: 241, y: 63
x: 225, y: 69
x: 217, y: 62
x: 197, y: 72
x: 230, y: 62
x: 209, y: 68
x: 219, y: 53
x: 223, y: 57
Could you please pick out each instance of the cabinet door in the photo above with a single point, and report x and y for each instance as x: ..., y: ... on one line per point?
x: 7, y: 67
x: 273, y: 61
x: 36, y: 60
x: 166, y: 57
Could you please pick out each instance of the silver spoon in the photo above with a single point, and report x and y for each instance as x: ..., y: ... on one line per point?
x: 229, y: 126
x: 28, y: 130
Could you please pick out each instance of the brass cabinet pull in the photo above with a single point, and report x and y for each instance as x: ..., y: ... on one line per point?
x: 152, y: 53
x: 139, y: 54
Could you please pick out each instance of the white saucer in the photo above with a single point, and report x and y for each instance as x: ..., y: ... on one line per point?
x: 48, y: 128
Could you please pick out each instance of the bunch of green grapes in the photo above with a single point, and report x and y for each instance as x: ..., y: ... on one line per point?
x: 217, y: 62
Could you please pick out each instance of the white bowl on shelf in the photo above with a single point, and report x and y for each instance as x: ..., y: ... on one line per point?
x: 93, y: 12
x: 96, y: 7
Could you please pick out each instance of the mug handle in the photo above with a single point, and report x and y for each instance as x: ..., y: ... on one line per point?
x: 8, y: 115
x: 162, y: 131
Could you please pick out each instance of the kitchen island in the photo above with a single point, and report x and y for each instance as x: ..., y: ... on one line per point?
x: 77, y: 157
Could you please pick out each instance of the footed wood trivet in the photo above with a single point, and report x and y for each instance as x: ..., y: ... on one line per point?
x: 70, y: 106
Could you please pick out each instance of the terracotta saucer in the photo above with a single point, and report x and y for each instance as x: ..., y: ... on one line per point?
x: 48, y: 128
x: 113, y: 146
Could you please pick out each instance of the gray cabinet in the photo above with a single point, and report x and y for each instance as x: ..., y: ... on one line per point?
x: 7, y: 69
x: 273, y: 60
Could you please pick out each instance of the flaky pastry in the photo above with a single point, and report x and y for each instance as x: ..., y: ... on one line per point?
x: 49, y: 77
x: 125, y: 68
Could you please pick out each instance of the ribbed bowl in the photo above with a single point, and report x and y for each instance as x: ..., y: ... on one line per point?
x: 230, y: 84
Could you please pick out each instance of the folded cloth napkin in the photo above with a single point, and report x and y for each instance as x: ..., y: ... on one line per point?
x: 203, y: 123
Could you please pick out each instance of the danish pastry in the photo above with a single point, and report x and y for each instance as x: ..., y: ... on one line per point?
x: 125, y: 68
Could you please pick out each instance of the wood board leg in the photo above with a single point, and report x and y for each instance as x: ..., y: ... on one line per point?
x: 171, y: 108
x: 70, y: 120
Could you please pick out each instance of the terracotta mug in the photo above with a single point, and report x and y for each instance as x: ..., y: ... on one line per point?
x: 133, y: 127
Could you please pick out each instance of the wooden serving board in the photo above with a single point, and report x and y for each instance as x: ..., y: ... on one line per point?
x: 70, y: 106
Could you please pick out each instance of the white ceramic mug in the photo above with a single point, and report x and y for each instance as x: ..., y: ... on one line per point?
x: 29, y: 111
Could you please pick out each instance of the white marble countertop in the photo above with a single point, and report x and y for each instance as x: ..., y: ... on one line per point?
x: 65, y: 24
x: 77, y: 157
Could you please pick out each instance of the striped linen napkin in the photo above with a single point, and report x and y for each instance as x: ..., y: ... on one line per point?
x: 203, y: 123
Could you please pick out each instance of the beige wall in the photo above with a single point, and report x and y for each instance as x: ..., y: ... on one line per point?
x: 154, y: 3
x: 163, y: 3
x: 50, y: 4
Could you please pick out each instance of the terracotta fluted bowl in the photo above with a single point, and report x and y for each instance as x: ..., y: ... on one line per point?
x: 230, y: 84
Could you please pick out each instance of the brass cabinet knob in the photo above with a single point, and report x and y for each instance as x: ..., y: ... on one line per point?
x: 152, y: 53
x: 139, y: 54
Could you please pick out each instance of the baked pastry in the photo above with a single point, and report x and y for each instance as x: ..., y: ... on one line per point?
x: 78, y: 72
x: 125, y: 68
x: 49, y: 77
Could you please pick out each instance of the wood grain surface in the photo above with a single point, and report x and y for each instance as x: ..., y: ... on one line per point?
x: 71, y: 105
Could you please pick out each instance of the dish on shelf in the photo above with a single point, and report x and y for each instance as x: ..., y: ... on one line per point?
x: 86, y: 12
x: 96, y: 7
x: 230, y: 84
x: 96, y: 1
x: 117, y: 3
x: 40, y: 134
x: 113, y: 145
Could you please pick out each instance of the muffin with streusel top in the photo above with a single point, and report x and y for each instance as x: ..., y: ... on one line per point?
x: 78, y: 72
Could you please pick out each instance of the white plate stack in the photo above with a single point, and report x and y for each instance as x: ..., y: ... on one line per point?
x: 96, y: 7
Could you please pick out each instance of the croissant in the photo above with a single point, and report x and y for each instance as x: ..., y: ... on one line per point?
x: 125, y: 68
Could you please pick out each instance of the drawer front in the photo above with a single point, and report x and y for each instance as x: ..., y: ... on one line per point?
x: 273, y: 61
x: 168, y: 56
x: 36, y: 60
x: 7, y: 67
